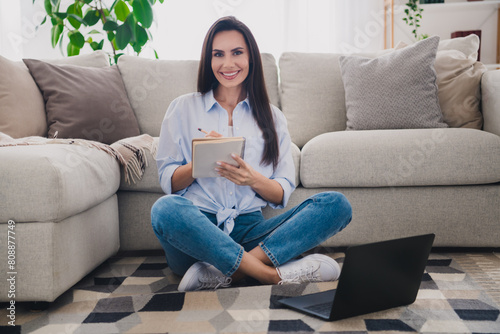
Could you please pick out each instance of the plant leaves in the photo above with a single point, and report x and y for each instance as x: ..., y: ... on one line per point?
x: 92, y: 17
x: 76, y: 10
x: 143, y: 12
x: 76, y: 38
x: 61, y: 41
x: 117, y: 56
x: 113, y: 5
x: 56, y: 32
x: 97, y: 46
x: 141, y: 36
x: 48, y: 6
x: 121, y: 10
x: 110, y: 25
x: 43, y: 21
x: 59, y: 15
x: 77, y: 18
x: 137, y: 48
x: 123, y: 36
x: 132, y: 23
x: 72, y: 49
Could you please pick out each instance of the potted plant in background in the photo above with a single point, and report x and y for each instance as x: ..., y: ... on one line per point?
x: 96, y: 23
x: 413, y: 14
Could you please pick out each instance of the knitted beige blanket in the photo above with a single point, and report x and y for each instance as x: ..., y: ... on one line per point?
x: 130, y: 152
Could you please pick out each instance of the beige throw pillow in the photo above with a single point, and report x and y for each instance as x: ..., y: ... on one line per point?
x: 22, y: 112
x: 458, y: 79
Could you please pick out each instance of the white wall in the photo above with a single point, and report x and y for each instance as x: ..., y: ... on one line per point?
x: 278, y: 26
x: 10, y: 28
x: 20, y: 33
x: 182, y: 24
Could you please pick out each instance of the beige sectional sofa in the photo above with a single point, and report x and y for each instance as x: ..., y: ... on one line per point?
x: 73, y: 209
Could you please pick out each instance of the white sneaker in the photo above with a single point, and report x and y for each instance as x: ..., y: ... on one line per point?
x: 201, y: 276
x: 312, y: 268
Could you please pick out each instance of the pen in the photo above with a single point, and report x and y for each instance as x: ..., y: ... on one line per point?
x: 200, y: 129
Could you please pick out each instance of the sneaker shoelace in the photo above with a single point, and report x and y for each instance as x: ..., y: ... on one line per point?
x: 210, y: 281
x: 304, y: 274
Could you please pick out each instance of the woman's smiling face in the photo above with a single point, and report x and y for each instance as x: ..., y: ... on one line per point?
x: 230, y: 58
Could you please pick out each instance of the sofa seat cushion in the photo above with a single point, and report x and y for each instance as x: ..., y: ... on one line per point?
x: 54, y: 181
x: 150, y: 180
x: 387, y: 158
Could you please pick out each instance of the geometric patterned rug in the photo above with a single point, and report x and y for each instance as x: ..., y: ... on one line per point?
x: 460, y: 293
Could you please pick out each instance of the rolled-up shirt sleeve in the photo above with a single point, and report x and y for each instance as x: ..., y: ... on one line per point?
x: 169, y: 156
x: 285, y: 171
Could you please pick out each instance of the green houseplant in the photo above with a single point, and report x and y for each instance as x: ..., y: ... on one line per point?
x: 120, y: 23
x: 413, y: 14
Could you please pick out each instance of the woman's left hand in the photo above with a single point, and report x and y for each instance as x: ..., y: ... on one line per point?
x: 245, y: 175
x: 242, y: 175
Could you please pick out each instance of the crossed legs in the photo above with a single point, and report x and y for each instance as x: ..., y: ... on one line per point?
x: 188, y: 235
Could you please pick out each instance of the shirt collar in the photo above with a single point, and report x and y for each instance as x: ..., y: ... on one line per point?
x: 210, y: 101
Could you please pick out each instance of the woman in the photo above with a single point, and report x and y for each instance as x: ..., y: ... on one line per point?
x: 212, y: 229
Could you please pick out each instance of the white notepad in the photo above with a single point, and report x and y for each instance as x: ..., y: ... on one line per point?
x: 207, y: 151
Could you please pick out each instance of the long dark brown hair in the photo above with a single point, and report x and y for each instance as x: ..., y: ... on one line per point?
x: 254, y: 83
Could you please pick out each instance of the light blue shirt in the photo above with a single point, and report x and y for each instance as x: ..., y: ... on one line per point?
x: 218, y: 195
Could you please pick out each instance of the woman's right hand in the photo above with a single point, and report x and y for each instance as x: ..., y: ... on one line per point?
x: 213, y: 134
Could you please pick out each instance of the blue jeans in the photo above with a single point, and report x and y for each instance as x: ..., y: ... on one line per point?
x: 188, y: 234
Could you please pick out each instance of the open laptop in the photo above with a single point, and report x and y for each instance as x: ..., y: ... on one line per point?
x: 374, y: 277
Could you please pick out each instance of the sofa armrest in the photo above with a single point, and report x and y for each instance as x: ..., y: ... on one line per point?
x: 490, y: 91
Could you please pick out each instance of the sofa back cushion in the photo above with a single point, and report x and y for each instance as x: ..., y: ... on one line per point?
x: 153, y: 84
x: 312, y: 93
x: 22, y: 110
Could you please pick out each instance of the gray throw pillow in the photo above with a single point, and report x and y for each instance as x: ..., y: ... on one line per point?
x: 84, y: 102
x: 394, y: 91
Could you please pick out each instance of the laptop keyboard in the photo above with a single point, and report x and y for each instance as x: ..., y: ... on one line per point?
x: 323, y: 308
